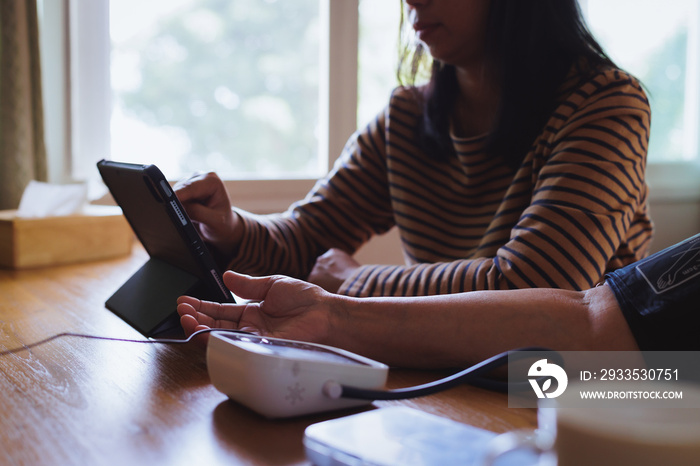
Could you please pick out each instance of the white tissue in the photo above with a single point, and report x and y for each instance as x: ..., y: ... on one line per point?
x: 51, y: 200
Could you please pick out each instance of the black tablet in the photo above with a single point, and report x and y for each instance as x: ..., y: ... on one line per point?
x: 179, y: 261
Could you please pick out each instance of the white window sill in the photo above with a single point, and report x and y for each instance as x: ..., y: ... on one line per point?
x: 679, y: 181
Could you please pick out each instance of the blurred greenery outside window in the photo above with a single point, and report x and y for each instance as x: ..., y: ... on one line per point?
x: 233, y: 86
x: 216, y: 85
x: 658, y: 42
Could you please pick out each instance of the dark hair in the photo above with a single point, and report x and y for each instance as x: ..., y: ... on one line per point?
x: 530, y: 46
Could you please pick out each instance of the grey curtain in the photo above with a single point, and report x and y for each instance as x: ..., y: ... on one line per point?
x: 22, y: 149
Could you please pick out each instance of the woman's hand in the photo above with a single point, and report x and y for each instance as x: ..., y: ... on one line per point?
x: 206, y: 201
x: 332, y: 269
x: 284, y: 308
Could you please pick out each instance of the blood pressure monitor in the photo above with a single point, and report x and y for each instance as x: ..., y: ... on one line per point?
x: 283, y: 378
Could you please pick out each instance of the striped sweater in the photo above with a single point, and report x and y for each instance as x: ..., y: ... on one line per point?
x: 575, y: 208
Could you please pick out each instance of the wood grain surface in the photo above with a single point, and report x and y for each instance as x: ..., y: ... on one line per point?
x: 82, y: 401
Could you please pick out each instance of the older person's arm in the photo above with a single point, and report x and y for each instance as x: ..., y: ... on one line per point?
x: 426, y: 332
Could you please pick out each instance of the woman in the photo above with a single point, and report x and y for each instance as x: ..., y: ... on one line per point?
x: 520, y: 164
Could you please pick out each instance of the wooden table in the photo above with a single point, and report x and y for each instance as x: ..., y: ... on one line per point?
x: 80, y: 401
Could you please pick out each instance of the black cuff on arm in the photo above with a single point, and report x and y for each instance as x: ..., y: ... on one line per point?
x: 660, y: 297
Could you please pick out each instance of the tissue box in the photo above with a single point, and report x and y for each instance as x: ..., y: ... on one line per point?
x: 100, y: 232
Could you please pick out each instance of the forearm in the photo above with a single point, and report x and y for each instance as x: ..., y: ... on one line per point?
x: 460, y: 329
x: 273, y: 244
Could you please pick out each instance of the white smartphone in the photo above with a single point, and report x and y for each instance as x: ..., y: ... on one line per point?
x: 397, y: 435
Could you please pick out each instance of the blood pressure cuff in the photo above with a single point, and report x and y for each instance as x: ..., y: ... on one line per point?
x: 660, y: 297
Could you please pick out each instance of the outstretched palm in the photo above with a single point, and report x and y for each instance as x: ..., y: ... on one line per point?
x: 281, y: 307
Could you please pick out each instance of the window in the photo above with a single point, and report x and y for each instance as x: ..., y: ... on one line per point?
x: 256, y: 112
x: 331, y: 24
x: 658, y: 43
x: 339, y: 46
x: 211, y: 85
x: 377, y: 57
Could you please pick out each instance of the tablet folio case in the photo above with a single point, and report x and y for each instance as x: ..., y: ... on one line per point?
x: 179, y: 263
x: 146, y: 300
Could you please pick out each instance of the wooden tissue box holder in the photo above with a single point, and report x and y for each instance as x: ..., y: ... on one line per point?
x: 101, y: 232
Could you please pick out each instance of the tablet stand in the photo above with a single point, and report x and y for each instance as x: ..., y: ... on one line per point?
x: 148, y: 300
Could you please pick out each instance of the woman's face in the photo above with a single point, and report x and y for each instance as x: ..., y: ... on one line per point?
x: 453, y: 30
